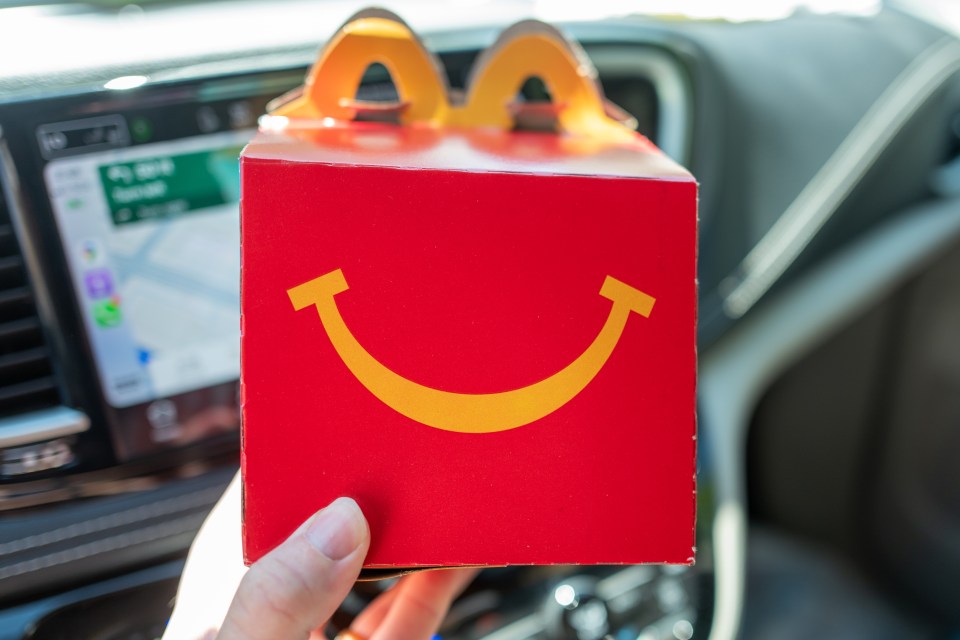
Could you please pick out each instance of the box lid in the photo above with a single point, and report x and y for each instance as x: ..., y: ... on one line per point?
x: 462, y: 149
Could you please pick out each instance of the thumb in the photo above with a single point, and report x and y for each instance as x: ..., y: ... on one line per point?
x: 295, y: 588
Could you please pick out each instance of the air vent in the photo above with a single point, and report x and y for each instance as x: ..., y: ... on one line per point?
x: 26, y: 375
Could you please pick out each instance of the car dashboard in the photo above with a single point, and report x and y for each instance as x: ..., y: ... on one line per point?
x: 119, y: 332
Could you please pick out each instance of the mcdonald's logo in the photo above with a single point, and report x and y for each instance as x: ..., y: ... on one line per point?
x: 463, y: 412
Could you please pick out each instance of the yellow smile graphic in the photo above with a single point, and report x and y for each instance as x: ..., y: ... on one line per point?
x: 464, y: 412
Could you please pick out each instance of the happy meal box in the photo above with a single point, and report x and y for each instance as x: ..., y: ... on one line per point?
x: 484, y: 334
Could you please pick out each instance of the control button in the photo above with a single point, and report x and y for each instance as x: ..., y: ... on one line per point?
x: 141, y: 128
x: 241, y: 115
x: 590, y: 619
x: 682, y: 630
x: 86, y: 134
x: 162, y: 416
x: 207, y: 119
x: 671, y: 596
x: 35, y: 457
x: 573, y: 611
x: 54, y: 141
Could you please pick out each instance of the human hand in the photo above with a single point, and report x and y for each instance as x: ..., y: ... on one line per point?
x: 291, y: 592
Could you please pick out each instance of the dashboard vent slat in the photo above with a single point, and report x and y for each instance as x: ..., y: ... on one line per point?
x: 31, y: 391
x: 11, y: 271
x: 8, y: 241
x: 27, y: 381
x: 26, y: 363
x: 10, y: 263
x: 25, y: 331
x: 16, y: 303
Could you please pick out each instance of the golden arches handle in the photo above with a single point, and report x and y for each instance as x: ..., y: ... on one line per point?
x: 528, y: 48
x: 463, y: 412
x: 371, y: 36
x: 533, y: 48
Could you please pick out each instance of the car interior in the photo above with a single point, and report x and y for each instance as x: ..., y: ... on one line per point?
x: 825, y: 138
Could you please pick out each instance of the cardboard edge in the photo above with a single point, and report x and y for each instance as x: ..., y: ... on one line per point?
x: 388, y: 573
x: 696, y: 367
x: 257, y: 156
x: 373, y: 574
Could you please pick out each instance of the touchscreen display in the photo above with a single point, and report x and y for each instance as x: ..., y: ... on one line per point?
x: 152, y: 239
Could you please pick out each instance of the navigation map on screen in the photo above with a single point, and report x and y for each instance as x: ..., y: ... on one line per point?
x: 152, y: 237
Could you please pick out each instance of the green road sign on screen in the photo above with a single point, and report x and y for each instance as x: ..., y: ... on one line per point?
x: 167, y: 186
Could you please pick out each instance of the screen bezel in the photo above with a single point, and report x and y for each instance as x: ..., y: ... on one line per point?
x: 169, y: 107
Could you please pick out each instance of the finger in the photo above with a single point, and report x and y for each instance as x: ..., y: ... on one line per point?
x: 372, y: 616
x: 296, y: 587
x: 212, y: 573
x: 421, y: 603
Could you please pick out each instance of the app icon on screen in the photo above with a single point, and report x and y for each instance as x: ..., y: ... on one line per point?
x: 106, y: 313
x: 99, y: 283
x: 91, y: 252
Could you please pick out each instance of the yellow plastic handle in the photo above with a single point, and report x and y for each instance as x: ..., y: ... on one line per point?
x: 535, y: 49
x: 372, y: 36
x: 527, y: 49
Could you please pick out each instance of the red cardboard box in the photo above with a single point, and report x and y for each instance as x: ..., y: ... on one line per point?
x: 486, y: 337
